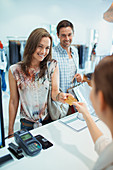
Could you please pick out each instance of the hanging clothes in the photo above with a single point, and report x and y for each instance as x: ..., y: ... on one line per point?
x: 16, y: 50
x: 3, y: 65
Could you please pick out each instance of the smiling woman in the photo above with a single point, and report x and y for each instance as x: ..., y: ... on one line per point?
x: 29, y: 82
x: 41, y: 51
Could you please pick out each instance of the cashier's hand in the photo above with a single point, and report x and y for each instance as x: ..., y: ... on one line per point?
x: 63, y: 96
x: 82, y: 108
x: 78, y: 77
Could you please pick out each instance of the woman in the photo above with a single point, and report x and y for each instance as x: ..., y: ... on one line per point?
x: 102, y: 101
x: 29, y: 82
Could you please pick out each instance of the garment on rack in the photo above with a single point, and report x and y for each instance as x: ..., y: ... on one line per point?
x: 3, y: 65
x: 16, y: 49
x: 3, y: 60
x: 14, y: 52
x: 83, y: 55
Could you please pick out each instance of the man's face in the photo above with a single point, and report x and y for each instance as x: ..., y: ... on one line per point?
x: 65, y: 36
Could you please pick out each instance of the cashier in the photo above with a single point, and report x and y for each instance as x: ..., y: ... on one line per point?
x: 102, y: 100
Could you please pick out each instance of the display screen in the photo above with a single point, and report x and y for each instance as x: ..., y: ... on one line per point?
x: 2, y: 139
x: 26, y: 137
x: 0, y: 134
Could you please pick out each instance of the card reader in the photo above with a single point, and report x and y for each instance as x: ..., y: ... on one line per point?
x: 27, y: 142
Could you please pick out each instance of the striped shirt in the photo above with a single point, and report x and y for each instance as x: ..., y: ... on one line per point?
x: 67, y: 68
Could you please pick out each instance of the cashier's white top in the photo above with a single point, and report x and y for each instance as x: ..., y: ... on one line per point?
x: 104, y: 148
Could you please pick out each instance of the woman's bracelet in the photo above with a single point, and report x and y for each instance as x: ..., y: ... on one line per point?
x: 57, y: 97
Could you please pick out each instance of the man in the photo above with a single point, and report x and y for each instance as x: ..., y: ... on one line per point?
x: 66, y: 56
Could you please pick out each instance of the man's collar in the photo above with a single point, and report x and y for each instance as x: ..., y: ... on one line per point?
x: 63, y: 50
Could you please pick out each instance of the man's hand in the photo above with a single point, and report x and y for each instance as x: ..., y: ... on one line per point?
x: 78, y: 77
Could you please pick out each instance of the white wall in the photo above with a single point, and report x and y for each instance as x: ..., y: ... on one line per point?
x: 20, y: 17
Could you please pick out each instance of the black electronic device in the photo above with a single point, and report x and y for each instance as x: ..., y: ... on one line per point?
x: 45, y: 143
x: 15, y: 150
x: 5, y: 158
x: 27, y: 142
x: 2, y: 136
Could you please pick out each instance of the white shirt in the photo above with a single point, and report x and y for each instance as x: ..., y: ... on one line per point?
x: 101, y: 143
x: 104, y: 147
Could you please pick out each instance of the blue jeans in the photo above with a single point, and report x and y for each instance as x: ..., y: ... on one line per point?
x: 2, y: 73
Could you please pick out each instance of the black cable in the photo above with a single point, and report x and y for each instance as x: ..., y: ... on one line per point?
x: 9, y: 136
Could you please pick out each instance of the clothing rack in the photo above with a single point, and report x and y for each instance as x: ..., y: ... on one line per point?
x: 18, y: 38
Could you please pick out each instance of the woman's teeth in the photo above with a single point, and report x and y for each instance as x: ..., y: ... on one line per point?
x: 41, y: 55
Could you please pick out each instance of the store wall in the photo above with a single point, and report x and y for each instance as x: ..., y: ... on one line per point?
x: 20, y: 17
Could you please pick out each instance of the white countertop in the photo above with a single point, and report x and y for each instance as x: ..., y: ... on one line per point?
x: 71, y: 150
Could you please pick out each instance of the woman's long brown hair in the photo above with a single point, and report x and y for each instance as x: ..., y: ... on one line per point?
x: 103, y: 79
x: 31, y: 45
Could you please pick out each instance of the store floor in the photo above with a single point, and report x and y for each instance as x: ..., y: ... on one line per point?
x: 5, y: 102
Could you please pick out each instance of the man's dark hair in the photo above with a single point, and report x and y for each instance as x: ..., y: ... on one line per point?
x: 64, y: 23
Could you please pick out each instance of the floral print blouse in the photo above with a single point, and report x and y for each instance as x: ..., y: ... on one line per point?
x: 33, y: 92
